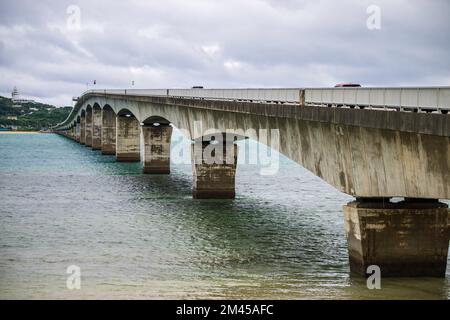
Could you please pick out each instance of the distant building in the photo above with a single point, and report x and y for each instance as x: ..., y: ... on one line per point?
x: 11, y: 117
x: 14, y: 94
x: 15, y: 98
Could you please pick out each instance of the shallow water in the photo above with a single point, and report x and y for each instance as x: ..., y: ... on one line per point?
x: 143, y: 236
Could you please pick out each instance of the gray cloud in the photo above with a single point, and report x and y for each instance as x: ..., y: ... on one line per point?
x: 252, y: 43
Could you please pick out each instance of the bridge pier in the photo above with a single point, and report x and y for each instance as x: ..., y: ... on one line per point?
x: 96, y: 128
x: 83, y: 129
x: 408, y: 238
x: 127, y: 138
x: 157, y: 148
x: 108, y: 136
x: 88, y: 130
x: 77, y: 132
x: 214, y: 170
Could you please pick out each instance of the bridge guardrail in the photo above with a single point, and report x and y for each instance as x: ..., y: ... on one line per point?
x: 271, y: 95
x: 437, y: 98
x: 395, y: 98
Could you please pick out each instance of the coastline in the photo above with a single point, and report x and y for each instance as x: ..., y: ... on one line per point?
x: 19, y: 132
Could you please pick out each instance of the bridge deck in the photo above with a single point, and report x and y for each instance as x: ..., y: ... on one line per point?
x: 408, y: 99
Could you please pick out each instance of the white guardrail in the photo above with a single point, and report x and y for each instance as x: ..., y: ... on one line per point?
x: 416, y: 99
x: 266, y: 95
x: 401, y: 99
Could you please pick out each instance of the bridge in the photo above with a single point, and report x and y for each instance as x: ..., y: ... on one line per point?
x: 387, y: 147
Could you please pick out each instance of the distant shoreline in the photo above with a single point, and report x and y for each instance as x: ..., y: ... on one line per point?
x: 18, y: 132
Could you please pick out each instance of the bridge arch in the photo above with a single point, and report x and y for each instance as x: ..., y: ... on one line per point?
x: 107, y: 106
x: 156, y: 121
x: 126, y: 112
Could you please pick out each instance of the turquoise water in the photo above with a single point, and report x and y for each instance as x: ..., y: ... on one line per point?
x: 143, y: 236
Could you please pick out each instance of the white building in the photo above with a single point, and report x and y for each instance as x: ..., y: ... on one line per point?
x: 15, y: 98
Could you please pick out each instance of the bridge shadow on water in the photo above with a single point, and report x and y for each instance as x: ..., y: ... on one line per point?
x: 144, y: 235
x: 285, y: 241
x: 262, y: 232
x: 249, y: 240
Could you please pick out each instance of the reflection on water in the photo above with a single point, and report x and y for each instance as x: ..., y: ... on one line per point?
x: 143, y: 236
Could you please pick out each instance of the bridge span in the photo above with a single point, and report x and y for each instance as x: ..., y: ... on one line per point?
x: 372, y: 143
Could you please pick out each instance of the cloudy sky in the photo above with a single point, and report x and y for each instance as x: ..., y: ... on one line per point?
x: 53, y: 50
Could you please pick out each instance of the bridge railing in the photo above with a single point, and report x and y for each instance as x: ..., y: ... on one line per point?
x: 432, y: 98
x: 437, y: 98
x: 269, y: 95
x: 264, y: 95
x: 136, y: 92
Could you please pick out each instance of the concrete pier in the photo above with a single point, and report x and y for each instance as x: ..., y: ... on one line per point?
x: 77, y: 132
x: 157, y: 148
x: 96, y: 128
x: 88, y: 131
x: 108, y: 136
x: 214, y: 170
x: 83, y: 128
x: 127, y: 138
x: 409, y: 238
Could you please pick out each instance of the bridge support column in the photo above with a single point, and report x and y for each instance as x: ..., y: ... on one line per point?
x: 409, y: 238
x: 108, y: 135
x: 77, y: 132
x: 157, y: 148
x: 96, y: 128
x: 88, y: 130
x: 83, y: 130
x: 214, y: 170
x: 127, y: 139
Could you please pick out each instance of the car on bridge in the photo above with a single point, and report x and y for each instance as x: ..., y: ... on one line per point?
x: 347, y: 85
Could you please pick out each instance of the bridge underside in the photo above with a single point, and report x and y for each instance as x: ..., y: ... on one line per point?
x: 371, y: 155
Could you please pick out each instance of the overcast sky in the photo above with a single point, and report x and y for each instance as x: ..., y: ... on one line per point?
x: 50, y: 55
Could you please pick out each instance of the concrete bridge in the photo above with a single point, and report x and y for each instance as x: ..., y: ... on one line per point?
x: 372, y: 143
